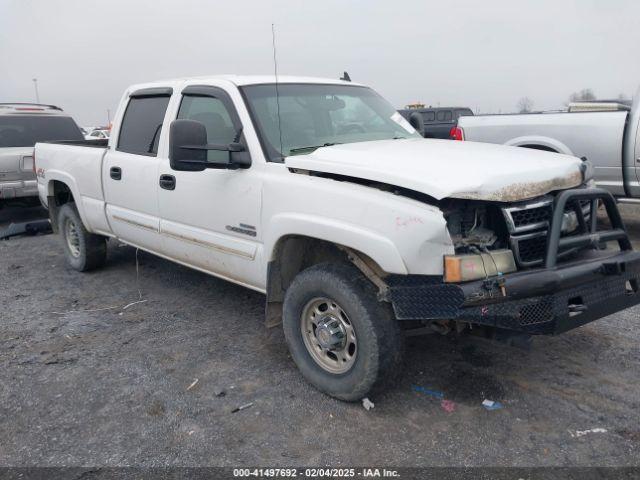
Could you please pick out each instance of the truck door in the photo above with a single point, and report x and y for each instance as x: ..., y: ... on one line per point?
x: 130, y: 170
x: 210, y: 219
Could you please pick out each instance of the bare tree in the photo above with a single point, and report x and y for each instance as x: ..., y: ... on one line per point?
x: 584, y: 95
x: 525, y: 104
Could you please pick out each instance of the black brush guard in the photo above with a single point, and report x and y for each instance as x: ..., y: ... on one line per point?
x: 546, y: 300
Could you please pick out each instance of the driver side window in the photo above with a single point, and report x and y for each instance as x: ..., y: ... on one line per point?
x: 212, y: 113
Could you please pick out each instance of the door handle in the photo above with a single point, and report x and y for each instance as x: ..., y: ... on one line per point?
x: 168, y: 182
x: 115, y: 173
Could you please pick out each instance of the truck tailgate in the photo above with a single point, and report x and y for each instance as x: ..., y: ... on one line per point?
x: 13, y: 163
x: 16, y: 172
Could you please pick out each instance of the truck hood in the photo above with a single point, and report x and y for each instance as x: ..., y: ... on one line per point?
x: 448, y: 169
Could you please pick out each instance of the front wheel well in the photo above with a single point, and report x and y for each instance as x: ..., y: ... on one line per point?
x: 295, y: 253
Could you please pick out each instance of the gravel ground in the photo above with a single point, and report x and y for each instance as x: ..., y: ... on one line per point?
x: 86, y: 382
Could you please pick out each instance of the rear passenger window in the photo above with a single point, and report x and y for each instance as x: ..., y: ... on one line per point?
x: 142, y: 125
x: 212, y: 113
x: 429, y: 116
x: 444, y: 116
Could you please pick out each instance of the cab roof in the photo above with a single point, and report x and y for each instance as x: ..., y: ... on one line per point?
x: 242, y: 80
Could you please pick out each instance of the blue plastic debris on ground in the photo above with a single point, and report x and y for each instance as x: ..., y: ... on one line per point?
x: 426, y: 391
x: 491, y: 405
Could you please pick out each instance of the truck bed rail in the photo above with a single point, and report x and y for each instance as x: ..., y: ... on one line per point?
x: 100, y: 143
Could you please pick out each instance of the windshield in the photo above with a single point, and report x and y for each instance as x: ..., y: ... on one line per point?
x: 315, y: 115
x: 26, y: 130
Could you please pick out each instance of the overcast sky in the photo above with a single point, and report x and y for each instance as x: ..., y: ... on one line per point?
x: 482, y: 54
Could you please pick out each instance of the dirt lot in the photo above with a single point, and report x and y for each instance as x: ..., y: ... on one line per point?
x: 86, y: 382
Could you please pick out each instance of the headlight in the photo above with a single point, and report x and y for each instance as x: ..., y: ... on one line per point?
x: 467, y: 267
x: 569, y: 222
x: 588, y: 171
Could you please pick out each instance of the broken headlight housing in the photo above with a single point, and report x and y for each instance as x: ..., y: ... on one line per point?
x: 588, y: 171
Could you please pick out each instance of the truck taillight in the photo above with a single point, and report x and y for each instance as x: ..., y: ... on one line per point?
x: 33, y: 155
x: 456, y: 133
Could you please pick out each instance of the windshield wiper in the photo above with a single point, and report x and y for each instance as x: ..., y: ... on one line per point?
x: 310, y: 148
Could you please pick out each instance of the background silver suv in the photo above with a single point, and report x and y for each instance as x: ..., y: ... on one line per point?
x: 21, y: 126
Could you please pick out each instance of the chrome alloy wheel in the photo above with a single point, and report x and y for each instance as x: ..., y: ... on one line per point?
x: 329, y: 335
x: 72, y: 236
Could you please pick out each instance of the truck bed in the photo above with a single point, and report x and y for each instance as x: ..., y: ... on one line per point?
x: 598, y: 136
x: 78, y: 164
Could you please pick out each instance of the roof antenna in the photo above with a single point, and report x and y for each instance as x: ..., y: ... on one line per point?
x: 345, y: 77
x: 275, y: 71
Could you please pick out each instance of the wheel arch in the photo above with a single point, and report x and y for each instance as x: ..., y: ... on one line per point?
x: 293, y: 253
x: 61, y: 189
x: 540, y: 143
x: 544, y: 148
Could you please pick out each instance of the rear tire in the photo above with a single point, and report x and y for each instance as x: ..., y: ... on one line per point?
x: 342, y: 338
x: 83, y: 250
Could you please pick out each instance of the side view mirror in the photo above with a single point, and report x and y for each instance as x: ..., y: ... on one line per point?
x: 417, y: 122
x: 188, y: 148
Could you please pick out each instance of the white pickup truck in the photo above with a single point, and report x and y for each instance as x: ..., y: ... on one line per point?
x: 610, y: 140
x: 320, y: 195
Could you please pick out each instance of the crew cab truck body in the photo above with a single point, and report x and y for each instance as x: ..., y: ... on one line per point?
x: 610, y: 140
x: 21, y: 126
x: 320, y: 195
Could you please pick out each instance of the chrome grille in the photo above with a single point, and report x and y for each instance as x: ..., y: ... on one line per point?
x: 532, y: 217
x: 528, y: 224
x: 529, y: 249
x: 529, y: 216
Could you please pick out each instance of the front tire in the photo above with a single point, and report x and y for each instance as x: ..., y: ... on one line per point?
x: 342, y: 338
x: 83, y: 250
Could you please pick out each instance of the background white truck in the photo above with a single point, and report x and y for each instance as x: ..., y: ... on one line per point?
x: 319, y: 194
x: 610, y: 140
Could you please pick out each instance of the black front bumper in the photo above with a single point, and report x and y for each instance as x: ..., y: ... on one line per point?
x: 536, y: 301
x: 548, y: 300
